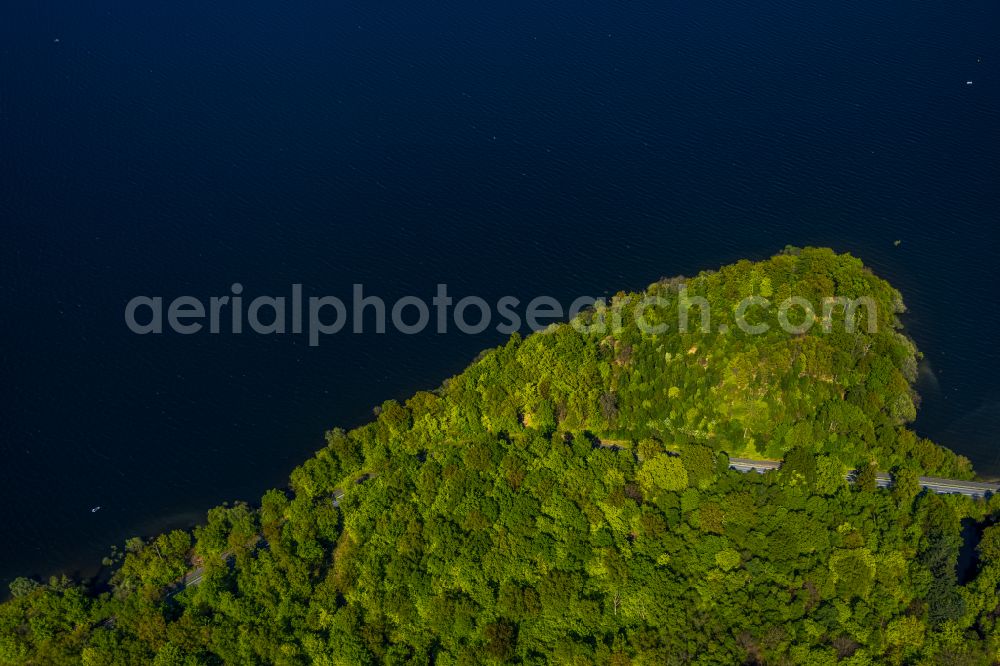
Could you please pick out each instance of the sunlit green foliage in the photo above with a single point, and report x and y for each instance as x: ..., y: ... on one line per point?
x: 566, y: 499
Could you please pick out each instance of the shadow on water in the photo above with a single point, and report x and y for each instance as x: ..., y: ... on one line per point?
x: 977, y: 433
x: 971, y: 433
x: 968, y: 556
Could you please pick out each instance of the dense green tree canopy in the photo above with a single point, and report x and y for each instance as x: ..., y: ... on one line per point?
x: 567, y: 499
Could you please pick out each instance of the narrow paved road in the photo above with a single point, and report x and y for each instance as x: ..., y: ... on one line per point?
x: 940, y: 486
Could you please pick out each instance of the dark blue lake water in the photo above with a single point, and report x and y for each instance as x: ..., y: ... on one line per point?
x: 560, y: 148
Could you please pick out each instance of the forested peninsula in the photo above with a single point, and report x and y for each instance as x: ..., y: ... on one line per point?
x: 567, y: 499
